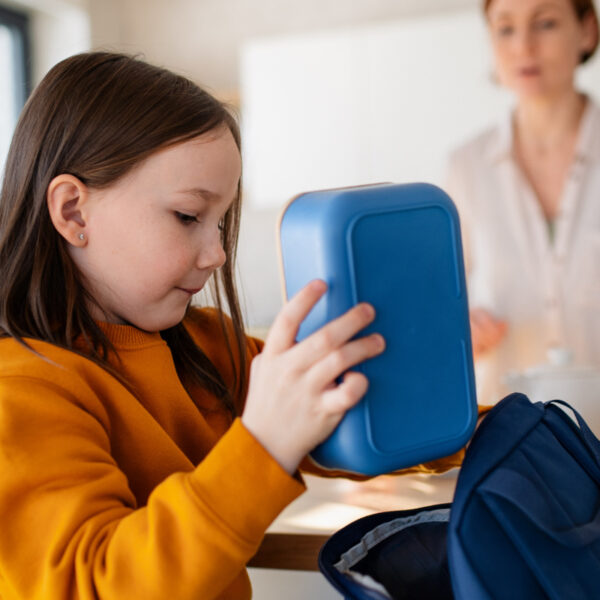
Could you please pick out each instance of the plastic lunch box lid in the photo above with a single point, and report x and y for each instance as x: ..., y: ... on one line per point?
x: 398, y: 247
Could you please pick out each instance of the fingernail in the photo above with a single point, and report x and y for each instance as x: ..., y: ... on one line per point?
x: 368, y: 310
x: 379, y: 341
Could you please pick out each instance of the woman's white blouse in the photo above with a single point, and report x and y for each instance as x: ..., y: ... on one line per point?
x: 548, y: 290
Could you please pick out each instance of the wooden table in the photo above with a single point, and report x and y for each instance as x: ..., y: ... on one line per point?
x: 293, y: 541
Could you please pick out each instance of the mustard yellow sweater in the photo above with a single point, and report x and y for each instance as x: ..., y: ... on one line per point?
x: 116, y: 493
x: 110, y: 494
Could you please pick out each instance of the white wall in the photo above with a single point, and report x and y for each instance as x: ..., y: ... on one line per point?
x: 370, y: 104
x: 379, y: 103
x: 202, y: 39
x: 8, y: 101
x: 58, y: 33
x: 59, y: 28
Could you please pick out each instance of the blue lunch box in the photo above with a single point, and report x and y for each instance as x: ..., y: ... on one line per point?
x: 399, y: 248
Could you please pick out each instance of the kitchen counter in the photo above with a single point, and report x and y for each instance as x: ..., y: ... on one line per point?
x: 294, y: 539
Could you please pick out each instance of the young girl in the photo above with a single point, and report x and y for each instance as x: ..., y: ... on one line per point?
x: 120, y: 201
x: 127, y: 471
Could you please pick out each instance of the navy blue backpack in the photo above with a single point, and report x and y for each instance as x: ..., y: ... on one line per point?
x: 524, y: 522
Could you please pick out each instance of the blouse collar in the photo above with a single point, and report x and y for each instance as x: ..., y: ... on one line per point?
x: 588, y: 142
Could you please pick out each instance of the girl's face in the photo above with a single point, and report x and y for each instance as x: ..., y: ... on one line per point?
x: 153, y: 239
x: 537, y: 45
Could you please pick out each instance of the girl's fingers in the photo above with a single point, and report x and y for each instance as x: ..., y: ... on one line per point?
x: 344, y: 396
x: 332, y: 336
x: 282, y: 334
x: 338, y: 361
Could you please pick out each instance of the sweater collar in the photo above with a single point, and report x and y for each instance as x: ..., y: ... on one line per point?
x: 123, y: 336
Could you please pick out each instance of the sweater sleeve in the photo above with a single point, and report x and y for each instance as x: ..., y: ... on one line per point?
x: 70, y: 524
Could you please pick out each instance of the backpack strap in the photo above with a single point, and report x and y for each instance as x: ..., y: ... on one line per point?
x: 588, y: 437
x: 502, y: 429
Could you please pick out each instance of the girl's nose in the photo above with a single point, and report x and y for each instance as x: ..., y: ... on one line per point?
x: 211, y: 254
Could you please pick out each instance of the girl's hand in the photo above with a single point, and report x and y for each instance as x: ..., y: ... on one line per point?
x: 293, y: 401
x: 486, y: 331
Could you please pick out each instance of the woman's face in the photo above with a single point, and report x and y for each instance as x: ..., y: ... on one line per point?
x: 538, y: 44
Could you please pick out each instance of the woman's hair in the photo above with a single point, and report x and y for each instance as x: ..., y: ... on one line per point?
x: 582, y: 9
x: 96, y: 116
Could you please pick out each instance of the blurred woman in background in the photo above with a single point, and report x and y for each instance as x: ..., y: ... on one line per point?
x: 528, y: 192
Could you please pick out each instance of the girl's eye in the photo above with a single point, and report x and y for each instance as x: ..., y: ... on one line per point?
x: 185, y: 218
x: 221, y: 225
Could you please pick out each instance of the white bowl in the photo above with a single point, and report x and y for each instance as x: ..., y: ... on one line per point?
x: 579, y: 385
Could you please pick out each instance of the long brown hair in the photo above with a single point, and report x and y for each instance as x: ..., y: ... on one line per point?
x: 96, y: 116
x: 582, y: 9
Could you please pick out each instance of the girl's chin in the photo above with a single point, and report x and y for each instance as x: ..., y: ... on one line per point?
x: 161, y: 322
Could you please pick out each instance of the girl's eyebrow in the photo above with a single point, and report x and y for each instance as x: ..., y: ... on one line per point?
x: 200, y: 193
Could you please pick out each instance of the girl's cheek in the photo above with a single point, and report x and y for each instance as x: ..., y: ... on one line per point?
x: 180, y: 260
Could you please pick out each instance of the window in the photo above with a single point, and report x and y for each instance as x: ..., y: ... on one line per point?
x: 14, y: 73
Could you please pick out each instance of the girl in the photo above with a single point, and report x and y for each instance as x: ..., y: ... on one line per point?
x: 527, y: 191
x: 127, y: 471
x: 120, y: 201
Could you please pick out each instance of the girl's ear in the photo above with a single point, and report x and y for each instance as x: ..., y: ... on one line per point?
x: 66, y: 197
